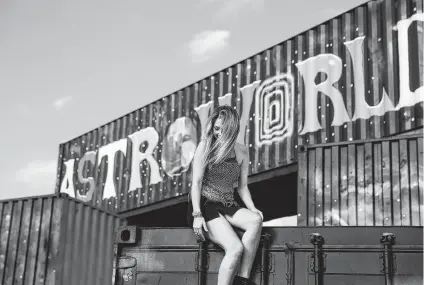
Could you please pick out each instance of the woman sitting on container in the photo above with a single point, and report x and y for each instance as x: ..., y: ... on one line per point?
x: 219, y: 161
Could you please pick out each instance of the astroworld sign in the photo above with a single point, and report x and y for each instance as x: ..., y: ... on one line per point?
x: 274, y: 116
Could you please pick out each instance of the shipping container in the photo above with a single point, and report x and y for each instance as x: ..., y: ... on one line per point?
x: 289, y: 256
x: 355, y: 77
x: 55, y: 239
x: 363, y: 183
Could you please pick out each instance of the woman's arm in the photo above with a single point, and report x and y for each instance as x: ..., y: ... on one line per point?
x: 196, y: 188
x: 198, y: 171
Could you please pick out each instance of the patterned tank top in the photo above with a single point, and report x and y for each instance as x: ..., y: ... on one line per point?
x: 218, y: 181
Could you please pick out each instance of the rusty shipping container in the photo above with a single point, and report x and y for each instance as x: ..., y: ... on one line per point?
x: 363, y: 183
x: 355, y: 77
x: 291, y: 256
x: 55, y: 239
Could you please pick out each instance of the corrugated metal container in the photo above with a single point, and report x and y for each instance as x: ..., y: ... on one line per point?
x: 165, y: 256
x: 299, y: 255
x: 362, y: 183
x: 55, y: 240
x: 357, y: 76
x: 345, y: 255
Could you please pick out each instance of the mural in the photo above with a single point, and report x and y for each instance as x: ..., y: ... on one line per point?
x: 180, y: 143
x: 376, y: 183
x: 318, y: 87
x: 274, y: 118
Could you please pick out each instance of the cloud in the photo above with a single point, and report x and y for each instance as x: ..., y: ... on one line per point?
x: 61, y: 102
x: 38, y: 175
x: 207, y: 44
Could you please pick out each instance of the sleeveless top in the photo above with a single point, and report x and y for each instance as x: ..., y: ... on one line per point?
x: 218, y: 181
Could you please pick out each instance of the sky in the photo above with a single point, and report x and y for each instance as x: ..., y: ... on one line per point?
x: 67, y: 67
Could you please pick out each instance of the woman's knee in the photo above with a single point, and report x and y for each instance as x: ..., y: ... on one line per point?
x: 256, y: 221
x: 235, y: 250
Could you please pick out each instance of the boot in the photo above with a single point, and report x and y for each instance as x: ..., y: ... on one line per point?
x: 238, y: 280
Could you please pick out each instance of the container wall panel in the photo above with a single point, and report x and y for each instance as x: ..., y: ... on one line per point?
x: 29, y: 240
x: 362, y: 183
x: 287, y: 256
x: 357, y: 76
x: 55, y: 240
x: 88, y: 244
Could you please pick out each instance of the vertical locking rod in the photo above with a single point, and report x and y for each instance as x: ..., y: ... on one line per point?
x: 387, y: 240
x: 317, y: 258
x: 202, y: 263
x: 265, y: 239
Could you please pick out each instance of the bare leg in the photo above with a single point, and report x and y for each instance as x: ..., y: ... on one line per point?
x: 222, y: 233
x: 252, y: 224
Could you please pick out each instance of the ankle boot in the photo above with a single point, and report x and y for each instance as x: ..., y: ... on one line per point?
x: 238, y: 280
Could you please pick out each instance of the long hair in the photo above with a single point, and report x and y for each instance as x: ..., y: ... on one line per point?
x: 218, y: 149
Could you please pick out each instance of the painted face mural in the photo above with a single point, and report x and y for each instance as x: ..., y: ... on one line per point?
x: 179, y: 145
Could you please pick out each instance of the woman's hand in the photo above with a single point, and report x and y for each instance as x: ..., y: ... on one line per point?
x: 254, y: 210
x: 199, y: 224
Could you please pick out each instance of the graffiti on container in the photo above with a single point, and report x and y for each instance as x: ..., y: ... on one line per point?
x: 369, y: 188
x: 370, y: 206
x: 247, y: 93
x: 331, y: 65
x: 274, y: 109
x: 179, y: 144
x: 274, y: 118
